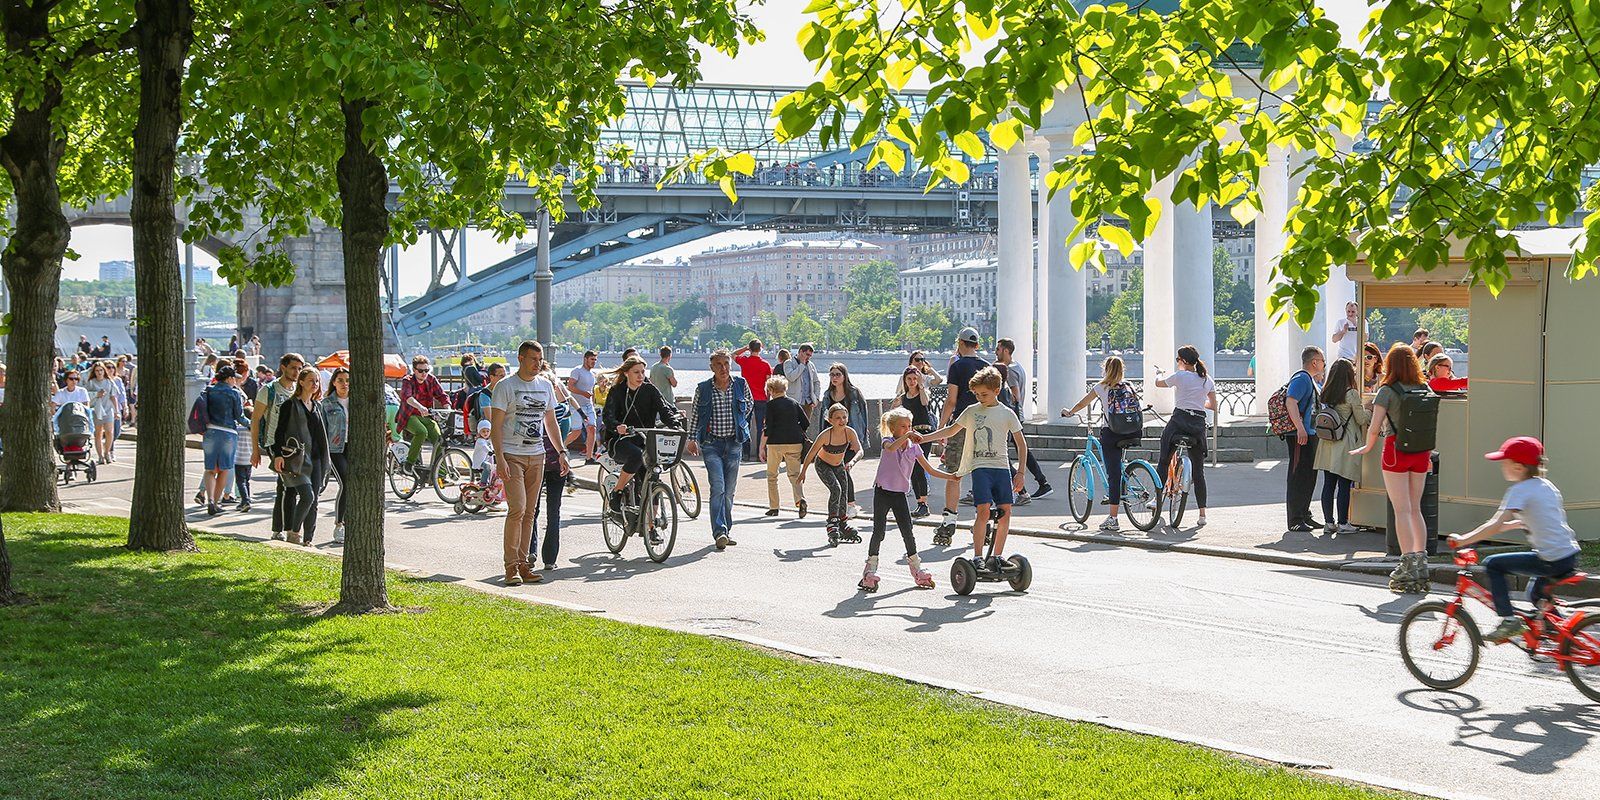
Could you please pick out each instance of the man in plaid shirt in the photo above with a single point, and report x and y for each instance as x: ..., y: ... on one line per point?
x: 719, y: 426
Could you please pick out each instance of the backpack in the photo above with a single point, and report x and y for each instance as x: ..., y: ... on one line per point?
x: 1278, y: 421
x: 1416, y: 426
x: 1123, y: 415
x: 199, y: 413
x: 1328, y: 424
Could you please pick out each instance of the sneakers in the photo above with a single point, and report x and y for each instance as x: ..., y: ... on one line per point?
x: 967, y: 500
x: 615, y: 502
x: 338, y: 534
x: 228, y: 500
x: 1022, y: 498
x: 1330, y: 528
x: 1200, y: 523
x: 722, y: 541
x: 852, y: 509
x: 293, y: 537
x: 277, y: 536
x: 772, y: 512
x: 244, y: 506
x: 731, y: 542
x: 1043, y: 491
x: 1110, y: 525
x: 200, y: 498
x: 922, y: 511
x: 213, y: 509
x: 800, y: 506
x: 1349, y: 529
x: 513, y: 577
x: 526, y: 573
x: 1508, y: 629
x: 1410, y: 576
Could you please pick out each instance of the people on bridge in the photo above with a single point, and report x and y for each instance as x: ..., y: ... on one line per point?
x: 783, y: 444
x: 1341, y: 403
x: 900, y: 457
x: 523, y: 412
x: 581, y: 382
x: 1194, y: 394
x: 1301, y: 395
x: 837, y: 449
x: 102, y: 350
x: 1532, y: 505
x: 988, y: 427
x: 336, y: 421
x: 1404, y: 473
x: 264, y: 426
x: 300, y: 456
x: 1116, y: 396
x: 805, y: 387
x: 1016, y: 377
x: 755, y: 370
x: 719, y: 426
x: 912, y: 395
x: 420, y: 393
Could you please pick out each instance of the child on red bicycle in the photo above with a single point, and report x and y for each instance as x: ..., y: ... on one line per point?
x: 1532, y: 504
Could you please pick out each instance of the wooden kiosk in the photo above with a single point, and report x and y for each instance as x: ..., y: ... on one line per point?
x: 1534, y: 371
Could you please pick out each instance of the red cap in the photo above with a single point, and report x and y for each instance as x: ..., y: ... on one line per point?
x: 1524, y: 450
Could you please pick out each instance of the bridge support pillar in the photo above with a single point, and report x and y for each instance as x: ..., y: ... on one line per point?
x: 307, y: 316
x: 1278, y: 345
x: 1066, y: 299
x: 1179, y: 296
x: 1014, y: 273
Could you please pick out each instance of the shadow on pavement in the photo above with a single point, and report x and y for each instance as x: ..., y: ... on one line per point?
x: 922, y: 619
x: 597, y: 567
x: 1535, y: 740
x: 1349, y: 546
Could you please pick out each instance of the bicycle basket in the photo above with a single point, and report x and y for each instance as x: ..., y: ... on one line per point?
x: 664, y: 447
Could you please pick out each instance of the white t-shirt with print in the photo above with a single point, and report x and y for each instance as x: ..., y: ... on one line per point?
x: 988, y: 429
x: 524, y: 404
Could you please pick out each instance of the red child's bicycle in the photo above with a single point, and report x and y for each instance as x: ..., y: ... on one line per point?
x: 1441, y: 644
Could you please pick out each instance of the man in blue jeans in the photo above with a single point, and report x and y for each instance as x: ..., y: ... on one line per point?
x: 719, y: 426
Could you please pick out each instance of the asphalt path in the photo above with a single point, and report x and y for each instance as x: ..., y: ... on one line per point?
x: 1292, y: 664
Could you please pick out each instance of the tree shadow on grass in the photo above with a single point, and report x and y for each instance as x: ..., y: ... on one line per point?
x: 142, y: 675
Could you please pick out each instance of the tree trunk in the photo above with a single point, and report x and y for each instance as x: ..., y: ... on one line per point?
x: 31, y: 150
x: 8, y: 594
x: 164, y: 30
x: 363, y: 192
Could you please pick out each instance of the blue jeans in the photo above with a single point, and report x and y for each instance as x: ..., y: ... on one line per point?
x: 1501, y: 566
x: 722, y: 469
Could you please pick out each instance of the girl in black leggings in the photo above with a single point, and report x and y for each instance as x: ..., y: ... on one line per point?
x: 1196, y: 392
x: 832, y: 448
x: 1113, y: 393
x: 900, y: 457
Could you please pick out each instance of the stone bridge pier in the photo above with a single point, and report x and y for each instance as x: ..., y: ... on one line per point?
x: 308, y: 315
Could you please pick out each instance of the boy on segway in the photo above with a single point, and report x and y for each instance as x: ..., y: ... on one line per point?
x: 987, y: 424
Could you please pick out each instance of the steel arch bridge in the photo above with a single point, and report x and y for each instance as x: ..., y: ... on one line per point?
x: 797, y: 185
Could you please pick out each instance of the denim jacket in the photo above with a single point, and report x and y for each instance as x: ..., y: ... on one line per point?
x: 742, y: 406
x: 337, y: 422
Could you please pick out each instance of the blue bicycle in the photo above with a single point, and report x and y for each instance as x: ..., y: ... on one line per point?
x: 1141, y: 487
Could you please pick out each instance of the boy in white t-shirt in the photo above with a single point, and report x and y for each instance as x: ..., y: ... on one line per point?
x: 988, y: 425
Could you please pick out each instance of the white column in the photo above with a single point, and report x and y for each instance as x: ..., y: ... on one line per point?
x: 1014, y: 273
x: 1041, y: 296
x: 1179, y: 296
x: 1066, y: 301
x: 1276, y: 356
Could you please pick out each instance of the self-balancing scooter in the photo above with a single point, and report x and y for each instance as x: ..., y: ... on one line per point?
x: 965, y: 573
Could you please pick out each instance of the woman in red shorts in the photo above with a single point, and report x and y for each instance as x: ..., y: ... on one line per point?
x: 1403, y: 473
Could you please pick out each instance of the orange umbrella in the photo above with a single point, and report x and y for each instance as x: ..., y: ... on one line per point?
x: 393, y: 365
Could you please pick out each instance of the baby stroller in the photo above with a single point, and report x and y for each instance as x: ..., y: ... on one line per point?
x: 73, y: 432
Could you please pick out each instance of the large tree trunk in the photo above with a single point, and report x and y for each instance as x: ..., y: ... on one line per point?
x: 164, y: 30
x: 363, y: 191
x: 31, y: 150
x: 8, y: 594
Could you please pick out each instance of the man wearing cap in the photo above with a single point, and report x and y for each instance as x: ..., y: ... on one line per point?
x: 965, y: 365
x: 1533, y: 506
x: 805, y: 386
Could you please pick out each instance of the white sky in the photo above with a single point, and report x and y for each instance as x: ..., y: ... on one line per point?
x: 775, y: 62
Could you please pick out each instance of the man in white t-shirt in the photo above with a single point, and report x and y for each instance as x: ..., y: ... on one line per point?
x: 581, y: 383
x: 523, y: 407
x: 1347, y: 333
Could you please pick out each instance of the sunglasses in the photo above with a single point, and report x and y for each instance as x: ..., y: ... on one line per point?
x: 919, y: 360
x: 423, y: 369
x: 72, y: 377
x: 836, y: 374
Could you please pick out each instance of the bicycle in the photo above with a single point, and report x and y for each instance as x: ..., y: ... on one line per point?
x: 448, y: 469
x: 649, y: 501
x: 1179, y: 478
x: 1450, y: 643
x: 686, y: 487
x: 1087, y: 480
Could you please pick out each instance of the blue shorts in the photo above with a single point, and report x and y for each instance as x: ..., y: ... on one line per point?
x: 218, y: 446
x: 991, y: 486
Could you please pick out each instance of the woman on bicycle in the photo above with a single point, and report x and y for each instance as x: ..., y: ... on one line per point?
x: 1340, y: 470
x: 633, y: 403
x: 913, y: 396
x: 1111, y: 391
x: 1195, y: 392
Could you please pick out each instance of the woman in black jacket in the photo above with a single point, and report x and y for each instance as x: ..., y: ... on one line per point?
x: 300, y: 456
x: 632, y: 404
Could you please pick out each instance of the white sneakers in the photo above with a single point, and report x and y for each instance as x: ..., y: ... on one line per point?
x: 338, y: 534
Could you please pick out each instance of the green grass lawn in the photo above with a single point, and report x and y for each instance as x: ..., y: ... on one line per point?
x: 210, y: 675
x: 1589, y: 557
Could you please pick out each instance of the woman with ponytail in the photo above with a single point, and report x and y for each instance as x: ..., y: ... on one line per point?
x: 1195, y: 393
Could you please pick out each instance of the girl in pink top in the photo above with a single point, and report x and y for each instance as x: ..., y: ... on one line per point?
x: 893, y: 481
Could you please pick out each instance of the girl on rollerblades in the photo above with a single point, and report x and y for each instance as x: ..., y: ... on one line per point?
x: 831, y: 449
x: 900, y: 457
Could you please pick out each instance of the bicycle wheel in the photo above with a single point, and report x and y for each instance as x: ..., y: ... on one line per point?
x: 660, y: 523
x: 1580, y: 652
x: 612, y: 530
x: 1141, y: 494
x: 1080, y: 490
x: 1440, y: 650
x: 452, y: 472
x: 687, y: 487
x: 402, y: 482
x: 1177, y: 499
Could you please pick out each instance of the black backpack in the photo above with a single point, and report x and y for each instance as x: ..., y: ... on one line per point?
x: 1416, y: 426
x: 1123, y: 415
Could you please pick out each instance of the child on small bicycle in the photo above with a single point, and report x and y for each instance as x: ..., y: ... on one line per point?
x: 830, y: 450
x: 484, y: 479
x: 988, y: 424
x: 900, y: 456
x: 1532, y: 504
